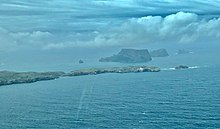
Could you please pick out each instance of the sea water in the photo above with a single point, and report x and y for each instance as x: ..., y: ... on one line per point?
x: 168, y: 99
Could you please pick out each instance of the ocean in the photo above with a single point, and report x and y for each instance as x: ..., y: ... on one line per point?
x: 168, y: 99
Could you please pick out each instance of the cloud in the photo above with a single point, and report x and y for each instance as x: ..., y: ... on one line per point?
x: 32, y: 38
x: 175, y: 28
x: 54, y: 24
x: 14, y: 40
x: 6, y: 42
x: 181, y: 27
x: 71, y: 15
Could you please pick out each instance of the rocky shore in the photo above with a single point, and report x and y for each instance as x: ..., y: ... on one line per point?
x: 9, y: 78
x: 129, y: 69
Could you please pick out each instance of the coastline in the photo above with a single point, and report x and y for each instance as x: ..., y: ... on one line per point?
x: 10, y: 78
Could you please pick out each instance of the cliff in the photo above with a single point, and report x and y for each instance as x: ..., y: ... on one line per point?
x: 129, y: 56
x: 159, y: 53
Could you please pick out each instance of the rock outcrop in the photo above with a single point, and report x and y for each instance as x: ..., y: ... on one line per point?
x: 81, y: 61
x: 129, y: 56
x: 181, y: 67
x: 159, y: 53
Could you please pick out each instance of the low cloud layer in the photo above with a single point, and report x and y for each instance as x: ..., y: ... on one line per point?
x: 175, y: 28
x: 13, y: 41
x: 59, y: 24
x: 179, y: 28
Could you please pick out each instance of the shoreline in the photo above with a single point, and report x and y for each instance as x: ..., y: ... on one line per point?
x: 10, y: 78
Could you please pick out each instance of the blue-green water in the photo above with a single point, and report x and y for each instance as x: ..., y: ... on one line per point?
x: 168, y: 99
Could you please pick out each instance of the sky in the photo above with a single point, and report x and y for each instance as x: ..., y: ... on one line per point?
x: 63, y: 24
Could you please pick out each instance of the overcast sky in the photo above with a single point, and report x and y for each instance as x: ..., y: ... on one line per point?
x: 60, y: 24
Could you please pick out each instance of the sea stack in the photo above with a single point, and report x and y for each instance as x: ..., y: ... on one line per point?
x: 81, y: 61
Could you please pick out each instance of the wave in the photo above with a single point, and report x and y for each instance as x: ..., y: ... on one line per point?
x: 194, y: 67
x: 168, y: 69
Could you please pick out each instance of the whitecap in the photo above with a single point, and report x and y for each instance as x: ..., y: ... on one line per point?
x: 168, y: 69
x: 194, y: 67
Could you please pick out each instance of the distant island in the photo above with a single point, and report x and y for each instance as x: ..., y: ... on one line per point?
x: 9, y: 78
x: 124, y: 56
x: 135, y: 56
x: 129, y: 56
x: 182, y: 51
x: 159, y: 53
x: 81, y: 61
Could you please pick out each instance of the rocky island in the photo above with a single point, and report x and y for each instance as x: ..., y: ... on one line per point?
x: 181, y: 67
x: 159, y: 53
x: 129, y: 56
x: 81, y: 61
x: 9, y: 78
